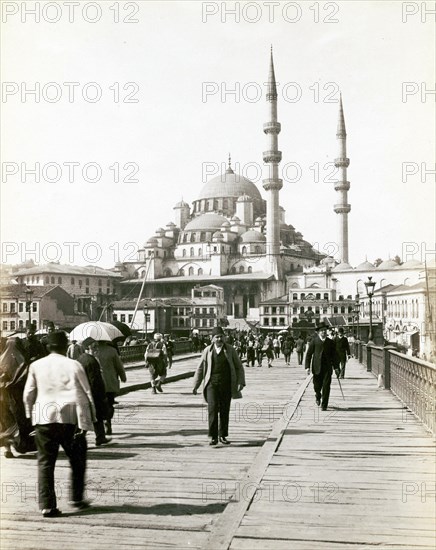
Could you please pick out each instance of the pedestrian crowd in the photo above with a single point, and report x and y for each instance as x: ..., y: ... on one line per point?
x: 52, y: 391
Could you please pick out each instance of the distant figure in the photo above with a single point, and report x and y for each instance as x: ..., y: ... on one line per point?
x: 321, y: 357
x: 342, y: 351
x: 251, y: 353
x: 58, y: 398
x: 156, y: 360
x: 32, y: 347
x: 300, y: 346
x: 112, y: 370
x: 50, y: 330
x: 75, y: 350
x: 287, y: 347
x: 223, y: 378
x: 169, y: 344
x: 276, y: 346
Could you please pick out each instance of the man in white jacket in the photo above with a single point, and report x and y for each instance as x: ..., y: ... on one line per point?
x: 58, y: 399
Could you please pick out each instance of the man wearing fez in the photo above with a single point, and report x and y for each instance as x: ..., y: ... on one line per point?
x: 321, y: 355
x: 58, y: 398
x: 223, y: 378
x: 342, y: 350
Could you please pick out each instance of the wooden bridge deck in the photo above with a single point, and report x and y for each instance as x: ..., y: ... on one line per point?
x: 359, y: 475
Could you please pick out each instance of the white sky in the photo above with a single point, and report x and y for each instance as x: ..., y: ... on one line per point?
x: 172, y: 131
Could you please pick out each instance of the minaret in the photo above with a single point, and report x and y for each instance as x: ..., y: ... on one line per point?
x: 272, y: 184
x: 342, y: 186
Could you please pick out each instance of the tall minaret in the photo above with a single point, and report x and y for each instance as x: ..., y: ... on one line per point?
x: 272, y: 184
x: 342, y: 186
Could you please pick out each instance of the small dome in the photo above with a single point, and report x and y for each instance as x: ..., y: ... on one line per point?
x: 252, y: 237
x: 388, y: 264
x: 328, y: 260
x: 206, y: 221
x: 181, y: 204
x: 152, y: 242
x: 218, y: 236
x: 343, y: 266
x: 365, y: 266
x: 235, y: 219
x: 170, y: 225
x: 160, y: 230
x: 412, y: 263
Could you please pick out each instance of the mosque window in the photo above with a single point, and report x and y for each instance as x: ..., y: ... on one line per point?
x: 250, y: 269
x: 295, y: 296
x: 200, y: 271
x: 192, y: 238
x: 302, y: 309
x: 335, y: 309
x: 182, y: 273
x: 225, y: 204
x: 72, y: 280
x: 244, y: 250
x: 185, y: 237
x: 241, y: 269
x: 59, y: 280
x: 303, y: 295
x: 191, y: 271
x: 184, y: 252
x: 281, y: 321
x: 342, y: 309
x: 206, y: 206
x: 318, y: 296
x: 191, y: 251
x: 215, y: 204
x: 295, y: 309
x: 233, y: 270
x: 257, y: 249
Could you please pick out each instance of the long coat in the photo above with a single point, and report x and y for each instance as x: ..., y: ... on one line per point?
x: 342, y: 348
x: 204, y: 370
x: 319, y: 350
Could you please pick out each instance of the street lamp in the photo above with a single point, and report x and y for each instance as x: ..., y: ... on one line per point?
x: 356, y: 311
x: 29, y: 295
x: 369, y: 285
x: 145, y: 320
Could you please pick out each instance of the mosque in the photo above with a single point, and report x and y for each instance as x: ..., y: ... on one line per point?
x: 230, y: 236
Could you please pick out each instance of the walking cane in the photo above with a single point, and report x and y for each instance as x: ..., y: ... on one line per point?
x: 340, y: 387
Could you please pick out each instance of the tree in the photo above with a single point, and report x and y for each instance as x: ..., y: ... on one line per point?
x: 377, y: 262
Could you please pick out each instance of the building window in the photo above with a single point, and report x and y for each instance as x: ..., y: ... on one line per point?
x: 123, y: 317
x: 34, y: 307
x: 274, y: 310
x: 191, y: 251
x: 86, y: 290
x: 244, y: 250
x: 281, y: 309
x: 274, y: 321
x: 303, y: 295
x: 72, y: 281
x: 211, y: 311
x: 115, y: 317
x: 302, y: 309
x: 295, y: 309
x: 37, y: 279
x: 282, y: 321
x: 52, y: 280
x: 326, y: 296
x: 12, y: 325
x: 200, y: 271
x: 5, y: 307
x: 59, y: 280
x: 266, y: 309
x: 266, y: 322
x: 295, y: 296
x: 257, y: 249
x: 317, y: 310
x: 100, y: 282
x: 241, y: 269
x: 342, y: 309
x: 184, y: 252
x: 5, y: 325
x: 20, y: 323
x: 80, y: 283
x: 12, y: 307
x: 191, y: 271
x: 204, y: 311
x: 130, y: 317
x: 250, y: 269
x: 204, y: 322
x: 335, y: 309
x: 21, y: 307
x: 318, y: 296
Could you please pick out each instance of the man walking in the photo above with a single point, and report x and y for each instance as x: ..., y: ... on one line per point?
x: 321, y: 356
x: 342, y: 350
x: 112, y: 370
x: 223, y: 378
x: 156, y: 360
x: 300, y: 345
x: 58, y: 398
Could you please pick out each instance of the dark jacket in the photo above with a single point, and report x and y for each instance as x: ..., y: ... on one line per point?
x: 319, y: 353
x: 342, y: 348
x: 96, y: 383
x: 204, y: 370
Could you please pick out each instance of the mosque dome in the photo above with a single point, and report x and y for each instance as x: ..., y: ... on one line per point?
x: 343, y: 266
x: 226, y: 224
x: 206, y: 221
x: 365, y: 266
x: 181, y: 204
x: 252, y: 237
x: 412, y: 264
x: 229, y: 184
x: 152, y: 242
x: 218, y: 236
x: 388, y: 264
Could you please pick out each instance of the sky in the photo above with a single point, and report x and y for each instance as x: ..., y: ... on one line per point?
x: 137, y: 104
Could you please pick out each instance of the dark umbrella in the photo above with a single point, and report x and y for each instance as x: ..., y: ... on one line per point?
x: 122, y: 327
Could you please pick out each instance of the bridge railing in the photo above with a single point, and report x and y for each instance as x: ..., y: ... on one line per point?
x: 129, y: 354
x: 412, y: 380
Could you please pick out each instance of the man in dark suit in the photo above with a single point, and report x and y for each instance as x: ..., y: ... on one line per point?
x: 321, y: 355
x: 223, y: 378
x: 342, y: 351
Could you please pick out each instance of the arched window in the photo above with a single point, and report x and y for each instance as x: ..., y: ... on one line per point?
x: 318, y: 296
x: 200, y: 251
x: 168, y: 272
x: 225, y: 204
x: 72, y: 280
x: 250, y: 269
x: 52, y: 280
x: 233, y: 270
x: 326, y: 296
x: 342, y: 309
x: 191, y: 251
x: 182, y: 273
x: 184, y: 252
x: 257, y: 249
x: 241, y: 269
x: 200, y: 271
x: 244, y: 250
x: 185, y: 237
x: 302, y: 309
x: 191, y: 271
x: 59, y: 280
x: 295, y: 296
x: 192, y: 238
x: 203, y: 236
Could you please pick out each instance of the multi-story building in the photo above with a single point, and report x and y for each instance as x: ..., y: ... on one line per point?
x: 21, y: 305
x: 91, y: 287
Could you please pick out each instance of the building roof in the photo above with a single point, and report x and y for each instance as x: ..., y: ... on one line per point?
x: 388, y: 264
x: 229, y: 184
x: 209, y: 221
x: 365, y: 266
x: 66, y: 269
x: 19, y: 291
x: 280, y: 300
x: 252, y: 237
x: 261, y: 276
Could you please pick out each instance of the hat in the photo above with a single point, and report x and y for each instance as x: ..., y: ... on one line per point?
x: 158, y: 336
x: 217, y: 331
x: 57, y: 339
x: 341, y: 330
x: 87, y: 342
x: 321, y: 326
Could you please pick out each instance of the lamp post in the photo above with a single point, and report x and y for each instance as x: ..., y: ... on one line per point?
x: 145, y: 320
x: 369, y: 285
x: 29, y: 295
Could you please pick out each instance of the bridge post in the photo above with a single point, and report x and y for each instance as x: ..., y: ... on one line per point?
x: 368, y: 358
x: 387, y: 366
